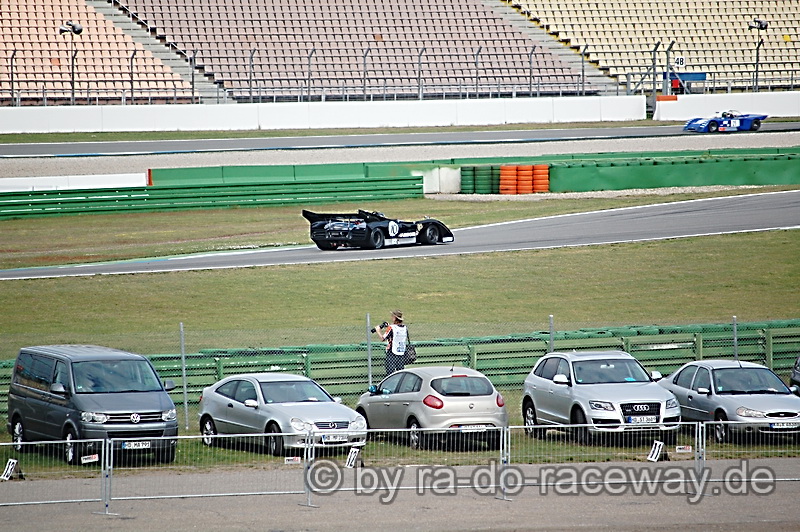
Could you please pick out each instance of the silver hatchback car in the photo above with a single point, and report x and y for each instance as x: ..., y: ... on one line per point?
x: 605, y: 391
x: 288, y: 408
x: 461, y: 400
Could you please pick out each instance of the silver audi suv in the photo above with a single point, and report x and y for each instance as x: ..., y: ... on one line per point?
x: 598, y: 392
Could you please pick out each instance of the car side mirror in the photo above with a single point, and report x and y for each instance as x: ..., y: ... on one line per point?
x: 251, y: 403
x: 794, y: 389
x: 373, y: 390
x: 561, y: 379
x: 169, y: 385
x: 58, y: 388
x: 337, y: 400
x: 703, y: 391
x: 656, y: 376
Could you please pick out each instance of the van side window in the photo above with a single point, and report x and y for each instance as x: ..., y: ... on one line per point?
x: 62, y: 376
x: 34, y: 371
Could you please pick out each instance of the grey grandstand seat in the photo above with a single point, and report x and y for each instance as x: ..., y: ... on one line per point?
x: 701, y: 29
x: 341, y: 32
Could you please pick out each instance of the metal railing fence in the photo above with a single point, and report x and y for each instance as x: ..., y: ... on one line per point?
x: 495, y: 461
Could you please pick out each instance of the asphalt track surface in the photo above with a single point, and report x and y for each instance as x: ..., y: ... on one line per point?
x: 94, y: 149
x: 725, y: 215
x: 724, y: 507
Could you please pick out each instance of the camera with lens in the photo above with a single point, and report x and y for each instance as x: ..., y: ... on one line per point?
x: 381, y: 326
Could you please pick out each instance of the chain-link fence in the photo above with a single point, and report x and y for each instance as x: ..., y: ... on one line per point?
x: 500, y: 462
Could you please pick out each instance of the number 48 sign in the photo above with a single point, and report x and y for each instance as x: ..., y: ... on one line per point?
x: 679, y: 61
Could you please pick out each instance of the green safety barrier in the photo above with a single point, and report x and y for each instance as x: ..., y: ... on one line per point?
x: 303, y: 189
x: 253, y: 186
x: 506, y: 360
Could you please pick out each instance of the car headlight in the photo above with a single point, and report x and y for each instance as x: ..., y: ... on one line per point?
x: 169, y: 415
x: 672, y: 403
x: 301, y: 426
x: 748, y: 412
x: 93, y: 417
x: 359, y: 424
x: 601, y: 405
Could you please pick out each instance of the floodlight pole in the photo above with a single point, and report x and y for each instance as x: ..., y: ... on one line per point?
x: 308, y: 87
x: 419, y: 71
x: 758, y: 48
x: 530, y: 70
x: 477, y: 72
x: 366, y: 53
x: 583, y: 69
x: 655, y: 73
x: 132, y: 56
x: 11, y: 67
x: 250, y: 74
x: 668, y: 70
x: 72, y: 54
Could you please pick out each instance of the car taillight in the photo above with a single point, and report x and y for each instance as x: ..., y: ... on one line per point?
x: 500, y: 401
x: 433, y: 402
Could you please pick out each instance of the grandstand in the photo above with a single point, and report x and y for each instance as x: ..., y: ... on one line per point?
x: 167, y: 51
x: 101, y: 64
x: 713, y: 37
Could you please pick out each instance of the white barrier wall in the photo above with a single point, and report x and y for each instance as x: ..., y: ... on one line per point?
x: 72, y: 182
x: 705, y: 105
x: 316, y: 115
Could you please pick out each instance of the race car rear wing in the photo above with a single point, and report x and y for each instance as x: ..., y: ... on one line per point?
x: 361, y: 215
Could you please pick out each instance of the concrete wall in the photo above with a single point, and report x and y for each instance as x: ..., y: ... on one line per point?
x: 705, y: 105
x: 316, y: 115
x: 72, y: 182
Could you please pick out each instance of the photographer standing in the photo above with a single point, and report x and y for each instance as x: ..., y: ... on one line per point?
x: 396, y: 338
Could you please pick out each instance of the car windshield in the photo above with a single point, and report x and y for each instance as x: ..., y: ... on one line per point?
x: 609, y: 371
x: 748, y: 381
x: 115, y: 376
x: 462, y: 385
x: 294, y: 392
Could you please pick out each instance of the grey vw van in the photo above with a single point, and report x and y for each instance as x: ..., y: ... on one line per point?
x: 88, y: 392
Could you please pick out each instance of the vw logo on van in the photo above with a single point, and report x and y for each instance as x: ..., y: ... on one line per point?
x: 135, y: 418
x: 640, y: 408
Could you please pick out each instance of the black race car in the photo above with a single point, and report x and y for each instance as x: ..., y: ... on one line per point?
x: 372, y: 230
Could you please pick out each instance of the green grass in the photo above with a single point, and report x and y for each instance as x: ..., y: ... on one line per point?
x: 56, y: 240
x: 753, y: 276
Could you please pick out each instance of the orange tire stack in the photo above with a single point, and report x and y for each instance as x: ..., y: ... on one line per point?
x: 525, y: 179
x: 541, y: 178
x: 508, y: 179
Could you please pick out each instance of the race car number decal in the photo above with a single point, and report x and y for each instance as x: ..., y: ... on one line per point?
x: 393, y: 228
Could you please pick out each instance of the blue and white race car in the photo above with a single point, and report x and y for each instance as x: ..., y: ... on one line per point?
x: 725, y: 121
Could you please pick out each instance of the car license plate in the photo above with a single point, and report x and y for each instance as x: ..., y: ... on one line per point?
x: 474, y: 428
x: 334, y: 438
x: 136, y: 445
x: 784, y: 425
x: 641, y: 419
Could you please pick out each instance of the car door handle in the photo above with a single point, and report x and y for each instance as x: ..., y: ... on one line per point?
x: 689, y: 398
x: 386, y: 404
x: 406, y: 404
